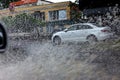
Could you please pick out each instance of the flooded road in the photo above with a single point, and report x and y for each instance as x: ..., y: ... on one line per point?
x: 33, y: 60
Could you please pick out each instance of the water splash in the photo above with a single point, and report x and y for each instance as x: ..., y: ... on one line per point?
x: 48, y: 62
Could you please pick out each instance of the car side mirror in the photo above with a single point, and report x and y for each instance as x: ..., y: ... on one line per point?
x: 3, y: 38
x: 65, y: 30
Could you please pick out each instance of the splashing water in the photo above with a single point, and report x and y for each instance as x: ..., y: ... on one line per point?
x: 47, y: 62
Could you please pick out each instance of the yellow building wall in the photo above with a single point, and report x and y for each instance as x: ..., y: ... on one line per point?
x: 42, y: 8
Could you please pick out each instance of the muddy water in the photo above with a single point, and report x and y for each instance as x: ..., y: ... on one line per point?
x: 43, y: 61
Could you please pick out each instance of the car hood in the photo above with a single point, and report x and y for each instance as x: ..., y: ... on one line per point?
x: 60, y: 32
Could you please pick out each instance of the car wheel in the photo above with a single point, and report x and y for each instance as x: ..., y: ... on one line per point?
x: 57, y: 41
x: 92, y: 39
x: 3, y: 38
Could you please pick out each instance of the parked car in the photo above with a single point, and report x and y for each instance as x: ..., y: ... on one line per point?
x: 82, y: 32
x: 3, y: 38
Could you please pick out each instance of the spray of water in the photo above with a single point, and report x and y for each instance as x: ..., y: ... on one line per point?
x: 47, y: 62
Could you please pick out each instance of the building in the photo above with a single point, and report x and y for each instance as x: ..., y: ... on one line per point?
x: 55, y: 15
x: 27, y: 3
x: 42, y: 2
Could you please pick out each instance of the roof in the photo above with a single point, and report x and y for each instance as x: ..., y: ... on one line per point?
x: 49, y: 1
x: 22, y: 2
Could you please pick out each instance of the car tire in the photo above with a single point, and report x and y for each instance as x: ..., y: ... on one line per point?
x: 92, y: 39
x: 3, y: 38
x: 57, y: 41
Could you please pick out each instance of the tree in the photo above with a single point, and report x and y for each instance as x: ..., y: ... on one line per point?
x: 75, y: 12
x: 7, y: 2
x: 24, y: 23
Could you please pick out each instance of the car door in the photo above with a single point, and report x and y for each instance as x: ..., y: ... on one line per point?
x: 80, y: 31
x: 70, y: 34
x: 84, y: 31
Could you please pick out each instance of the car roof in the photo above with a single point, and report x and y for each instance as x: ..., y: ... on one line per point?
x: 90, y: 24
x: 83, y: 24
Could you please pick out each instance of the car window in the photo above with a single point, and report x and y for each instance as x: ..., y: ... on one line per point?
x: 85, y: 27
x: 73, y: 28
x: 79, y: 27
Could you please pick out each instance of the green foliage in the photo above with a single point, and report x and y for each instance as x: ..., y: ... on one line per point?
x: 22, y: 22
x: 75, y: 12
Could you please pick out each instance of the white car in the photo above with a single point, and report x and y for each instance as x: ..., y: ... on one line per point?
x: 82, y: 32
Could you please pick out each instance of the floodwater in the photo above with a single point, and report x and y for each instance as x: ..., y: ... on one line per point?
x: 32, y: 60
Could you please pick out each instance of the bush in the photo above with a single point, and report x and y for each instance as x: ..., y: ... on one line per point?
x: 23, y: 23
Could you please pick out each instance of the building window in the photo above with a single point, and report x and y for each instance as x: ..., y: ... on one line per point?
x: 62, y: 15
x: 39, y: 15
x: 57, y: 15
x: 53, y: 15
